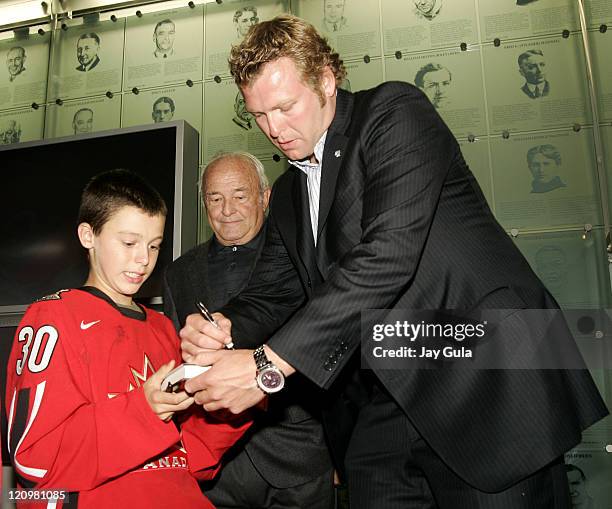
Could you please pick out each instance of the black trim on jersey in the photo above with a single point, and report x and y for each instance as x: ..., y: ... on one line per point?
x: 127, y: 312
x: 73, y: 500
x: 20, y: 419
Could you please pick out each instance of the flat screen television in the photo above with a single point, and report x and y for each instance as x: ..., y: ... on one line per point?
x: 40, y: 187
x: 7, y: 332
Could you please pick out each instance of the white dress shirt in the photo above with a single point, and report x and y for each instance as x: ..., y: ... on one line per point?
x: 313, y: 176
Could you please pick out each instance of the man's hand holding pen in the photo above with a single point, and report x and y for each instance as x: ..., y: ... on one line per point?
x: 210, y: 318
x: 230, y: 383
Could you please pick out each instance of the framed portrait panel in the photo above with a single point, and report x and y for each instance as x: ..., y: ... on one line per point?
x: 476, y: 155
x: 513, y: 19
x: 601, y: 47
x: 83, y: 116
x: 163, y: 48
x: 588, y: 469
x: 227, y: 23
x: 362, y: 75
x: 452, y: 80
x: 228, y: 126
x: 545, y: 180
x: 24, y: 63
x: 536, y: 84
x: 88, y: 59
x: 352, y: 27
x: 163, y: 105
x: 598, y: 12
x: 21, y: 125
x: 421, y: 25
x: 606, y: 134
x: 573, y: 267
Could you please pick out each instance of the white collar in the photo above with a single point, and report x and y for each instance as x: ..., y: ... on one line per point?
x: 302, y: 164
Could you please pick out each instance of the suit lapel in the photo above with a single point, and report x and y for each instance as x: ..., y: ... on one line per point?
x: 332, y: 161
x: 292, y: 213
x: 284, y: 203
x: 287, y: 207
x: 333, y: 154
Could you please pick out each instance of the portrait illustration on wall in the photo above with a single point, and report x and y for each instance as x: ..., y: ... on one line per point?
x: 88, y: 46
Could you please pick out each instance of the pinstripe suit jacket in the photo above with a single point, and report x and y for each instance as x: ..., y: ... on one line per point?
x: 286, y: 445
x: 403, y: 224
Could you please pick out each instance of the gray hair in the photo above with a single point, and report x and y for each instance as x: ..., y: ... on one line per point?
x: 248, y: 159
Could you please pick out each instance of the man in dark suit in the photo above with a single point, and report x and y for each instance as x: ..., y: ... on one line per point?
x: 379, y: 211
x: 284, y: 462
x: 88, y: 46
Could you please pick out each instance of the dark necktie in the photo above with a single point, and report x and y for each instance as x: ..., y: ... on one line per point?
x: 537, y: 91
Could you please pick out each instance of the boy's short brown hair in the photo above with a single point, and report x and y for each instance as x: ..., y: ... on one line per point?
x: 111, y: 190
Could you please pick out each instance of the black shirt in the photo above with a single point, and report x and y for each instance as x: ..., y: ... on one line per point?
x: 229, y: 269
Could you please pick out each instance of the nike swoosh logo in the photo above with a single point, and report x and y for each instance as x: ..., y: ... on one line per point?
x: 85, y: 326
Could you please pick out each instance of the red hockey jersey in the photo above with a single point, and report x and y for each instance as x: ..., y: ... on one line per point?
x: 77, y: 416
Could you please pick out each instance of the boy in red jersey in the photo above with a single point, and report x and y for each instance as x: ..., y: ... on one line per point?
x: 89, y: 425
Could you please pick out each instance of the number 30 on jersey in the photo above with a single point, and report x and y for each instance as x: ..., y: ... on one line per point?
x: 37, y: 349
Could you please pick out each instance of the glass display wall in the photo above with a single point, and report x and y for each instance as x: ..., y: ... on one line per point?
x: 509, y: 77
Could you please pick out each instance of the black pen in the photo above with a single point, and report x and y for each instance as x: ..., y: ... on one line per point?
x: 206, y: 314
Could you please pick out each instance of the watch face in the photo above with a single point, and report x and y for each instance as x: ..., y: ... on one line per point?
x: 271, y: 380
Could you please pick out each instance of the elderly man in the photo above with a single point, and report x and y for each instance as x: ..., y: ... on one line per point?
x: 284, y: 463
x: 163, y: 109
x: 163, y: 37
x: 379, y: 211
x: 15, y: 62
x: 88, y: 46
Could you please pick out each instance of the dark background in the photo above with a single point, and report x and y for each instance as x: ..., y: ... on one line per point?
x: 39, y: 200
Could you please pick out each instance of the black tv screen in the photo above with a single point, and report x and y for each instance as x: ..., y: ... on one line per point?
x: 6, y: 340
x: 39, y: 199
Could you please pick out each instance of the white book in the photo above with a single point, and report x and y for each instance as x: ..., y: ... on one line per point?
x: 175, y: 379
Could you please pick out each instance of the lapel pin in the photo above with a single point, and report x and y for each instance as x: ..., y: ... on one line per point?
x: 337, y: 153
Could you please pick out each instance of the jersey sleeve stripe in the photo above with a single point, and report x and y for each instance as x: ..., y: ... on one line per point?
x: 10, y: 420
x: 32, y: 471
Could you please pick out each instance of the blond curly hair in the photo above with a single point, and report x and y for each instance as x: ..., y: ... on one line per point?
x: 285, y: 36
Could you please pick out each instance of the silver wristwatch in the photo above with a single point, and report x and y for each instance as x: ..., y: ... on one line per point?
x: 269, y: 378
